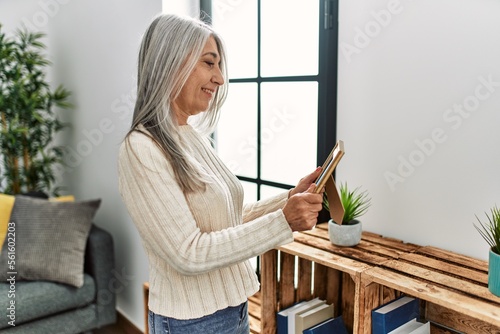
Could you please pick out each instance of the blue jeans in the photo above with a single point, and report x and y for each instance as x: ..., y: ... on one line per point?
x: 231, y: 320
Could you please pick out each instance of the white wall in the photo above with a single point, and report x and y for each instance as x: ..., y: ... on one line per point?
x: 406, y: 69
x: 93, y: 46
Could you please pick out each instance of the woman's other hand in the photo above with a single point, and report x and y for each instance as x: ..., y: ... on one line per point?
x: 305, y: 182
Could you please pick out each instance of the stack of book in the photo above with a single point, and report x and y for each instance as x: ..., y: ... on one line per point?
x: 400, y: 316
x: 309, y: 317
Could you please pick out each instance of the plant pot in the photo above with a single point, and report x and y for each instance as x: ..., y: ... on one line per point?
x: 494, y: 273
x: 345, y: 234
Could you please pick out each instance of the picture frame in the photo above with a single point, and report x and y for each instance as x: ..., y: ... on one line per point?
x: 329, y: 165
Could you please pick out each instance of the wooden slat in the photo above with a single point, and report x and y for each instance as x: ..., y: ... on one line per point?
x: 287, y: 281
x: 449, y: 268
x: 371, y: 242
x: 328, y: 257
x: 254, y: 313
x: 269, y: 292
x: 357, y: 253
x: 476, y: 308
x: 390, y: 242
x: 348, y: 301
x: 435, y: 329
x: 369, y: 298
x: 452, y: 257
x: 304, y: 284
x: 364, y: 246
x: 320, y: 286
x: 459, y: 322
x: 255, y: 326
x: 334, y: 286
x: 447, y: 281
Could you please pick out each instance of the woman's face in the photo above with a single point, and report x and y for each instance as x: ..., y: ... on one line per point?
x: 202, y: 84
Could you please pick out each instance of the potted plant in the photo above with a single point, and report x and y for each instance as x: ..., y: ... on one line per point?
x: 490, y: 231
x: 28, y: 122
x: 355, y: 202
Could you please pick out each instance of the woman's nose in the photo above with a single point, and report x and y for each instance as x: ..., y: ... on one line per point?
x: 218, y: 78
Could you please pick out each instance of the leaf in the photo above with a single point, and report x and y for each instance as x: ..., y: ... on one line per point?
x: 490, y: 230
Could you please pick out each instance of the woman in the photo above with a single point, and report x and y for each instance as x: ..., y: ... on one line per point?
x: 187, y: 206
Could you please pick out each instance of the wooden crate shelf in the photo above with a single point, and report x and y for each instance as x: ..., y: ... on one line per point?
x: 452, y: 287
x: 323, y: 270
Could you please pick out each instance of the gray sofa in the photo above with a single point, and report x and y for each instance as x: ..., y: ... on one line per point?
x: 44, y: 307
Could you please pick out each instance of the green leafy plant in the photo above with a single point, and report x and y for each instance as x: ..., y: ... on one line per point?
x: 356, y: 202
x: 490, y: 230
x: 28, y: 122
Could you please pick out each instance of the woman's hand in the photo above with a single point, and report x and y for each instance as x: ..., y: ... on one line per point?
x: 301, y: 210
x: 305, y: 182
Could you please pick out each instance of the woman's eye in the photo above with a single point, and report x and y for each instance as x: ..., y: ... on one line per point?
x: 209, y: 63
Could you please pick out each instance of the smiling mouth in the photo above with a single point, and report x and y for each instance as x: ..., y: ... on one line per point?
x: 208, y: 91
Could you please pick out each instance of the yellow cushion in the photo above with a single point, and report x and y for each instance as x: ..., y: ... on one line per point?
x: 66, y: 198
x: 6, y: 205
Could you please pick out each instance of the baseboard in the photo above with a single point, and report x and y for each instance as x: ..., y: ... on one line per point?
x: 126, y: 325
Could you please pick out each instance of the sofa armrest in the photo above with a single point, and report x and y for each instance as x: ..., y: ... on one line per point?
x: 100, y: 264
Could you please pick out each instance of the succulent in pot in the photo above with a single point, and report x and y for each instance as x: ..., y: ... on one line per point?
x: 356, y: 203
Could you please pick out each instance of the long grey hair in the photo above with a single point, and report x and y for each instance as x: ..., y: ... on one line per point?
x: 169, y: 51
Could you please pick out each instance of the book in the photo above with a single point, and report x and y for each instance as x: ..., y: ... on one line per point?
x: 332, y: 325
x: 413, y: 327
x: 286, y: 318
x: 282, y: 318
x: 390, y: 316
x: 314, y: 316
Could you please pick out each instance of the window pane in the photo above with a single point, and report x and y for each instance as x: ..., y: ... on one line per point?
x: 267, y: 191
x: 236, y: 22
x: 289, y: 130
x: 237, y: 130
x: 250, y: 190
x: 290, y: 37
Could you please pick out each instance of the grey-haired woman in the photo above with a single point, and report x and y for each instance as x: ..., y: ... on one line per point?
x: 186, y: 204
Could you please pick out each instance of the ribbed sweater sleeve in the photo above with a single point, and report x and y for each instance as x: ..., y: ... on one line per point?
x: 199, y: 235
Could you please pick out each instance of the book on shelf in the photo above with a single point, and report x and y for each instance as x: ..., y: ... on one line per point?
x: 413, y: 327
x: 395, y: 313
x: 282, y: 318
x: 286, y: 318
x: 329, y: 326
x: 309, y: 318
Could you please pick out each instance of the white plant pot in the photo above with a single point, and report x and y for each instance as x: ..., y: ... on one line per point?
x: 345, y: 235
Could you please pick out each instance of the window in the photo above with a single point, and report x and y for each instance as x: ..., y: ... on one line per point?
x: 279, y: 121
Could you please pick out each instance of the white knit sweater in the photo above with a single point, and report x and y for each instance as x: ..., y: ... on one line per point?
x: 198, y: 245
